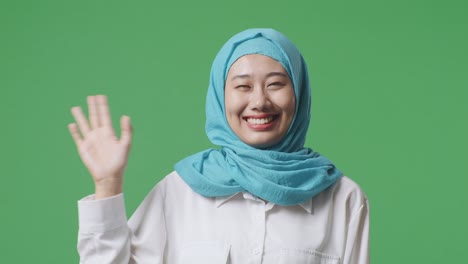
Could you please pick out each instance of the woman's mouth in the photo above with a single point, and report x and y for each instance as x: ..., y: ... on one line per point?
x: 260, y: 122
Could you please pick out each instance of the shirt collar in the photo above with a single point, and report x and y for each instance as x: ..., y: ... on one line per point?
x: 308, y: 206
x: 220, y: 200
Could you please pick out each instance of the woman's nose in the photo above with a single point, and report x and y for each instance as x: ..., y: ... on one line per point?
x: 259, y: 99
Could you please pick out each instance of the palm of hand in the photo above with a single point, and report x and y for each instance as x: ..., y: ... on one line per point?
x: 104, y: 155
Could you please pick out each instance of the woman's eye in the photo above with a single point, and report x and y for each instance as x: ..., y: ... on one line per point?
x: 276, y: 85
x: 242, y: 86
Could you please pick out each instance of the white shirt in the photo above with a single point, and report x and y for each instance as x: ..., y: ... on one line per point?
x: 176, y: 225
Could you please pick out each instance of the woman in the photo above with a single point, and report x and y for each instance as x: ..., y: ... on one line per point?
x: 261, y: 198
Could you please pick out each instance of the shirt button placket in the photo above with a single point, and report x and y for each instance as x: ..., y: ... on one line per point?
x: 259, y: 237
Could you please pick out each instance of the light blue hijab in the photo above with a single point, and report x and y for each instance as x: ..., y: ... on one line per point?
x: 284, y: 174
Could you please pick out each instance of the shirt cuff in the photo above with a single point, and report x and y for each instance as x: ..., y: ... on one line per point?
x: 97, y: 216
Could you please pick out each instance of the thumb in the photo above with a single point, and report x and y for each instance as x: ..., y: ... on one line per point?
x: 126, y: 130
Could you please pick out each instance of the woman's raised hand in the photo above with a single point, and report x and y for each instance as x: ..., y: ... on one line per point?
x: 101, y: 151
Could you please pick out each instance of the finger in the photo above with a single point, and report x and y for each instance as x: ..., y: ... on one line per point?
x: 73, y: 128
x: 103, y: 111
x: 81, y: 120
x: 126, y: 130
x: 93, y: 113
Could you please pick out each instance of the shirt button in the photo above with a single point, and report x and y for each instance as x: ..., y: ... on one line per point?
x: 256, y: 251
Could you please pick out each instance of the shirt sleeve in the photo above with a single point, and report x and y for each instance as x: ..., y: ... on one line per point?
x: 357, y: 241
x: 105, y: 236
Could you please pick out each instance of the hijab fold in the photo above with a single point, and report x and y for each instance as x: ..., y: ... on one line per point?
x: 286, y: 173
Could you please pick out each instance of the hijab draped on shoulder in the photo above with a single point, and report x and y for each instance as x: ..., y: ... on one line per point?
x: 286, y: 173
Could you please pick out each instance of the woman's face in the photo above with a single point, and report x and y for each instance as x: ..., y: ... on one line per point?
x: 259, y: 100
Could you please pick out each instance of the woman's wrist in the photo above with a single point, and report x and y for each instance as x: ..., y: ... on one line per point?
x: 108, y: 188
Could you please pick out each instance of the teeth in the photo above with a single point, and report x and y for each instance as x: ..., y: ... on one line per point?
x: 260, y: 121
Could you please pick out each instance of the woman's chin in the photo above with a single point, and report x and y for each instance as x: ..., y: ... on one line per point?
x: 262, y: 141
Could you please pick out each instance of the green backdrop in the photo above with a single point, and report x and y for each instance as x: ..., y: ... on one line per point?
x: 389, y: 82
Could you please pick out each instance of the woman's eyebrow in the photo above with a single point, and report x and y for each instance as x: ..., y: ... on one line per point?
x: 243, y: 76
x: 276, y: 74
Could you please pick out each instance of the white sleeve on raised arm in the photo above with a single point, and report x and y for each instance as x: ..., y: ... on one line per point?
x: 105, y: 236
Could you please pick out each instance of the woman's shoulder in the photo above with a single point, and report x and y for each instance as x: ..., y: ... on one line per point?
x: 348, y: 186
x: 345, y: 194
x: 172, y: 183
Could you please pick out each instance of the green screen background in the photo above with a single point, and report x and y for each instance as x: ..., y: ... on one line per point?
x: 389, y: 82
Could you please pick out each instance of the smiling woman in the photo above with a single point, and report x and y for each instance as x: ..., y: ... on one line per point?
x: 262, y: 197
x: 259, y: 99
